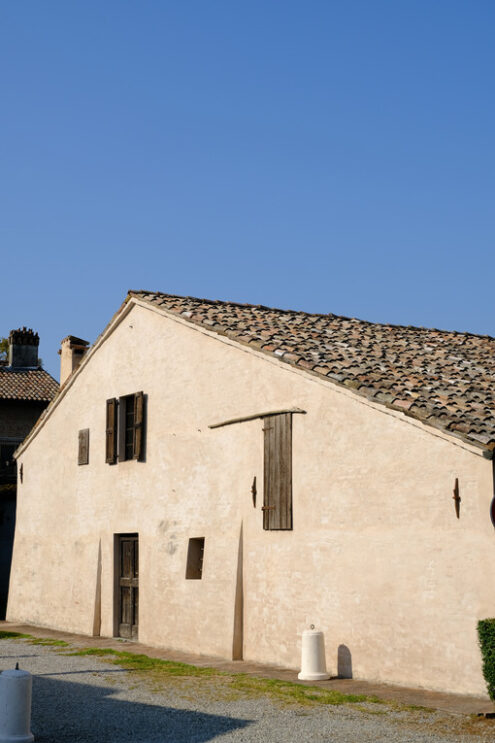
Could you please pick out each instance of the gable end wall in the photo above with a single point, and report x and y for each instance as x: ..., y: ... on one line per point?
x: 377, y: 558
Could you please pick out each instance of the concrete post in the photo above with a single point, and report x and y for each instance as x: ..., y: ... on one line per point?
x: 313, y: 663
x: 15, y: 707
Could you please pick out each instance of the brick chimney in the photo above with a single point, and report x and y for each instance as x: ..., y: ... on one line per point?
x: 71, y: 352
x: 23, y: 349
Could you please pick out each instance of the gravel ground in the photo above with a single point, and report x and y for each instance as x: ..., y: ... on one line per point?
x: 84, y: 699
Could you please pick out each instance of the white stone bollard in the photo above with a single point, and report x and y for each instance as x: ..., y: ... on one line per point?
x: 313, y: 664
x: 15, y: 706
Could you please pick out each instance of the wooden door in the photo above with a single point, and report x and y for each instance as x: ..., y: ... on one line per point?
x: 128, y: 585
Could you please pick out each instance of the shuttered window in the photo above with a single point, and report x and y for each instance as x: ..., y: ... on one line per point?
x: 125, y: 428
x: 277, y: 470
x: 83, y: 449
x: 111, y: 431
x: 126, y: 450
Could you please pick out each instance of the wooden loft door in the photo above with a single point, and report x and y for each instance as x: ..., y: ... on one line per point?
x: 277, y: 478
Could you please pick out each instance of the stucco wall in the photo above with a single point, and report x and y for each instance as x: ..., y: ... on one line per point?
x: 377, y: 558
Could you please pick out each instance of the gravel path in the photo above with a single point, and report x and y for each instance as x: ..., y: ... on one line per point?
x: 84, y: 699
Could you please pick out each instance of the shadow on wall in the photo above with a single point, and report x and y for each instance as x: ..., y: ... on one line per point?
x: 90, y: 713
x: 344, y: 662
x: 7, y: 526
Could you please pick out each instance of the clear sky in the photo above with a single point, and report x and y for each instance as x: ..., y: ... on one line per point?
x: 329, y: 156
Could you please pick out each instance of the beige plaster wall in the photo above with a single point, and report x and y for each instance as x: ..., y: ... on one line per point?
x: 377, y: 558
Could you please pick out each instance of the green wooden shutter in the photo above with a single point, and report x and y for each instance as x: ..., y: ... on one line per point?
x: 277, y: 470
x: 111, y: 431
x: 138, y: 425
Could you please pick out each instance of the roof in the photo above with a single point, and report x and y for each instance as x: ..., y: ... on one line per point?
x: 26, y: 384
x: 445, y: 379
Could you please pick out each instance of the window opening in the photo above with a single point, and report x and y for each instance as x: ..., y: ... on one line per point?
x: 195, y: 555
x: 129, y: 427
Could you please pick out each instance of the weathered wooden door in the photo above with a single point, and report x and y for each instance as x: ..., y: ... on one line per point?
x: 128, y: 585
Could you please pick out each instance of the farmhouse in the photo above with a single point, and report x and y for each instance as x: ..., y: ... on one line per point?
x: 217, y: 477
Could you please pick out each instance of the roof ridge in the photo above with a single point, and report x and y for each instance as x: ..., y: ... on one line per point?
x: 312, y: 314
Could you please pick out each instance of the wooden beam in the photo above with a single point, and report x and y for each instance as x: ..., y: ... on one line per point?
x: 255, y: 416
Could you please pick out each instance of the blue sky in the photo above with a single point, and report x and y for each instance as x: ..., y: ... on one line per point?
x: 325, y: 156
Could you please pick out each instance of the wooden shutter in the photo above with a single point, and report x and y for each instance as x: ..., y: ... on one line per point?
x: 138, y: 425
x: 83, y: 454
x: 111, y: 431
x: 277, y: 480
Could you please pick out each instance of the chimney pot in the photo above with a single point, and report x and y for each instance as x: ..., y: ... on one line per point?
x: 72, y: 352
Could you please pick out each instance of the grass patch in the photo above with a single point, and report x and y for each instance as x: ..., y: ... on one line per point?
x: 289, y: 691
x: 48, y: 641
x: 240, y: 683
x: 136, y: 662
x: 14, y: 636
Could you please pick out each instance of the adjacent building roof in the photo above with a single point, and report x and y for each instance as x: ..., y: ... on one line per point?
x: 26, y: 384
x: 443, y: 378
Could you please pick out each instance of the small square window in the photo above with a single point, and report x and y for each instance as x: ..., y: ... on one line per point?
x: 195, y: 552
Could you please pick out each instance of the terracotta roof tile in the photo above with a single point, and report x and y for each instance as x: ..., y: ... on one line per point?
x: 26, y: 384
x: 441, y: 377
